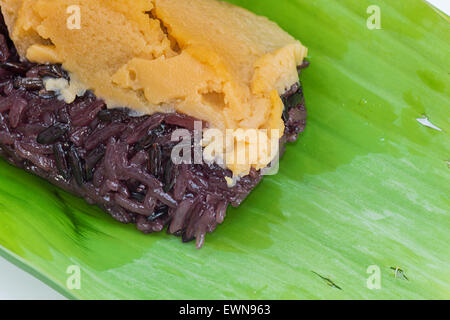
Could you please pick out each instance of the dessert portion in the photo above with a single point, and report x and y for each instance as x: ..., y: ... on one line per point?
x: 204, y: 58
x: 92, y: 107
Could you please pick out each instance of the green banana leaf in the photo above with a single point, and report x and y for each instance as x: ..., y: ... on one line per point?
x: 365, y: 189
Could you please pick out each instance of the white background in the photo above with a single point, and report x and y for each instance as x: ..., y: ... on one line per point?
x: 17, y: 284
x: 444, y: 5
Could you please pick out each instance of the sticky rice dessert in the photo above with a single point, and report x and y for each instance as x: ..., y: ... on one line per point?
x: 92, y: 92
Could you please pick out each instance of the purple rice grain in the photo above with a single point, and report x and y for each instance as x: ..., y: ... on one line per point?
x: 30, y: 84
x: 14, y: 67
x: 61, y: 161
x: 76, y: 165
x: 53, y: 133
x: 92, y: 160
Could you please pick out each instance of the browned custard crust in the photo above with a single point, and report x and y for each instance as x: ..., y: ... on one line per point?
x: 113, y: 160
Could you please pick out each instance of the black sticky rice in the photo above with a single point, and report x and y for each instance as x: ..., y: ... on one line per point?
x: 114, y: 160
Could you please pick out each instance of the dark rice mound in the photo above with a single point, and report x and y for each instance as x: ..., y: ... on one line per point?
x: 114, y: 160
